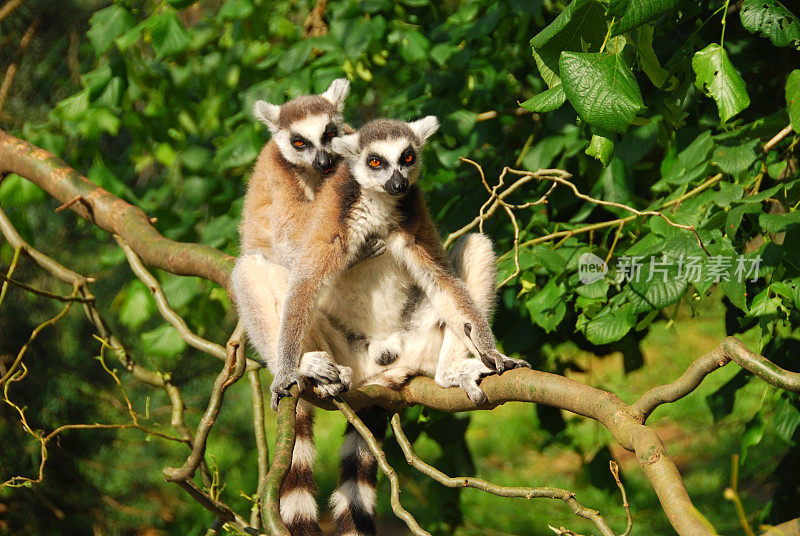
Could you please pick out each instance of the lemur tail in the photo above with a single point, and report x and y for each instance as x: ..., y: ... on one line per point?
x: 353, y: 501
x: 297, y: 499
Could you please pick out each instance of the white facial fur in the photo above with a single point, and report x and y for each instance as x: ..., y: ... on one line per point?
x: 311, y: 130
x: 391, y: 154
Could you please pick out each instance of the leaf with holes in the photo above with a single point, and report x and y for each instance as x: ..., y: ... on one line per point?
x: 772, y: 20
x: 717, y: 77
x: 633, y: 13
x: 580, y: 27
x: 602, y: 89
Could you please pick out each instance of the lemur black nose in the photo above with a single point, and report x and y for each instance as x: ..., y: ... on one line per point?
x: 324, y: 162
x: 397, y: 185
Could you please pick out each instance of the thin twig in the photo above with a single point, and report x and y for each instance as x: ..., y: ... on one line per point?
x: 164, y: 308
x: 377, y: 451
x: 501, y: 491
x: 10, y: 272
x: 11, y: 70
x: 776, y: 138
x: 732, y: 494
x: 8, y: 7
x: 615, y: 472
x: 229, y: 374
x: 75, y: 297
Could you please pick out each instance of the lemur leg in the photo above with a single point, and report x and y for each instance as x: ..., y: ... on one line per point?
x: 353, y: 502
x: 298, y: 505
x: 259, y: 290
x: 473, y: 260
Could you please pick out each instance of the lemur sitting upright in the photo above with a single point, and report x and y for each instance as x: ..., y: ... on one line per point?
x: 375, y: 196
x: 285, y: 179
x: 412, y: 304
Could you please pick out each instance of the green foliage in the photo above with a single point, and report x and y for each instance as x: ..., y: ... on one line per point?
x: 646, y: 102
x: 717, y: 77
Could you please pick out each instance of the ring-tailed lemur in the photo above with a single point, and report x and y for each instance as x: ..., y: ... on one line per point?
x: 282, y: 186
x: 383, y: 305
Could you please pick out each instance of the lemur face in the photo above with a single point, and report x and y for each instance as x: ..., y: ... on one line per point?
x: 384, y: 154
x: 304, y: 127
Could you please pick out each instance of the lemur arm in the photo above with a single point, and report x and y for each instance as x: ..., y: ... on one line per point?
x: 449, y: 296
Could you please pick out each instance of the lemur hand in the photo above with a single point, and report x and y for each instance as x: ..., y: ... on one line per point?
x: 371, y: 249
x: 497, y: 361
x: 281, y: 384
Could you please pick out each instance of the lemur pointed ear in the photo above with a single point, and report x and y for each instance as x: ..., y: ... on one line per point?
x: 267, y: 113
x: 345, y: 145
x: 425, y: 127
x: 337, y: 92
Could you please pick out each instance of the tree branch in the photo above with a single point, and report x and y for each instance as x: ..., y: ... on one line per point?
x: 502, y: 491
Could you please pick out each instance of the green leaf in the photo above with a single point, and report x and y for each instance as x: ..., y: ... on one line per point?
x: 717, y: 77
x: 580, y: 27
x: 17, y: 192
x: 648, y: 60
x: 775, y: 223
x: 793, y: 98
x: 772, y: 20
x: 106, y: 25
x: 169, y: 35
x: 601, y: 148
x: 295, y: 57
x: 137, y: 305
x: 633, y: 13
x: 602, y: 89
x: 547, y: 101
x: 786, y: 419
x: 610, y: 325
x: 753, y: 433
x: 163, y: 341
x: 235, y: 10
x: 547, y: 307
x: 721, y: 401
x: 737, y: 158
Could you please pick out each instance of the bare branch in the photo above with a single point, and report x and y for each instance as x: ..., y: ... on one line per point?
x: 44, y: 293
x: 261, y: 442
x: 164, y: 308
x: 375, y: 447
x: 229, y: 374
x: 776, y: 139
x: 11, y: 70
x: 615, y: 472
x: 281, y: 462
x: 502, y: 491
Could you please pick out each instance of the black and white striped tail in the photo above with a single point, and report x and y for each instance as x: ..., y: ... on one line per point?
x: 297, y: 501
x: 354, y: 501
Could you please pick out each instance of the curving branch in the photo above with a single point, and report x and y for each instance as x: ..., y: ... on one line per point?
x: 111, y: 213
x: 284, y: 446
x: 501, y: 491
x: 232, y: 371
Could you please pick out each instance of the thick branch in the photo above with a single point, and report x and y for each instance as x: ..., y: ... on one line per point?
x: 281, y: 462
x: 111, y: 213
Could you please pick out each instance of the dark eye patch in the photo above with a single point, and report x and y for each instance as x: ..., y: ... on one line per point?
x: 408, y: 157
x: 330, y: 132
x: 299, y: 142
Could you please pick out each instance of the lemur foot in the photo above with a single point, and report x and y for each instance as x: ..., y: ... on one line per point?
x: 500, y: 363
x: 385, y: 351
x: 321, y: 371
x: 467, y: 374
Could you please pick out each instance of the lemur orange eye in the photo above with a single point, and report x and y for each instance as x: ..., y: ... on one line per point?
x: 409, y: 158
x: 374, y: 163
x: 299, y: 143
